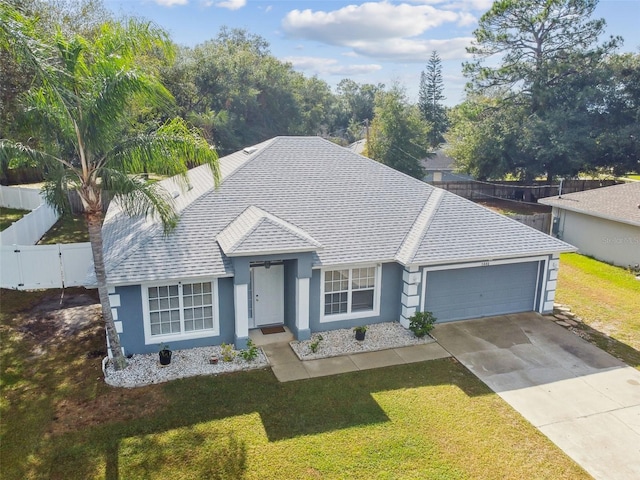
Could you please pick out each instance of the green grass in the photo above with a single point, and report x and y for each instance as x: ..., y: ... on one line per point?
x: 633, y: 177
x: 68, y: 229
x: 426, y: 420
x: 9, y: 216
x: 607, y: 298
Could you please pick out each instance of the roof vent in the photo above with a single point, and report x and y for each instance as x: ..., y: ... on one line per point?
x: 250, y: 150
x: 175, y: 194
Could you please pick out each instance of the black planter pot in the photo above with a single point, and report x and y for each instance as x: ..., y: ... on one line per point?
x: 165, y: 357
x: 360, y: 335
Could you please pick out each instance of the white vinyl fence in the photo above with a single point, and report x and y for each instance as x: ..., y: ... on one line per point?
x: 26, y: 266
x: 17, y: 197
x: 30, y: 228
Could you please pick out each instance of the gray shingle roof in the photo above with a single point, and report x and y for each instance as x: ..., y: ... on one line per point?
x: 438, y: 162
x: 306, y: 192
x: 620, y: 203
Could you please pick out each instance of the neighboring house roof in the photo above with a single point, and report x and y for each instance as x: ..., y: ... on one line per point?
x: 308, y: 194
x: 358, y: 146
x: 620, y: 203
x: 439, y: 162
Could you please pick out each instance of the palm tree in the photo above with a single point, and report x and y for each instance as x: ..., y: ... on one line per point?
x: 80, y: 111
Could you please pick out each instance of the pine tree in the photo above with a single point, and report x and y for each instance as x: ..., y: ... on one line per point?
x: 430, y: 100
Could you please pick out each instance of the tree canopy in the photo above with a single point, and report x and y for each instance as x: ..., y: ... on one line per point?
x: 534, y: 113
x: 398, y: 134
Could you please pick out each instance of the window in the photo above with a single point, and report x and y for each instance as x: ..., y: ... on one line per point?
x: 350, y: 293
x: 180, y: 310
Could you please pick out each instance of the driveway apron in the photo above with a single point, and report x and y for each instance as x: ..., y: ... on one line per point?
x: 583, y: 399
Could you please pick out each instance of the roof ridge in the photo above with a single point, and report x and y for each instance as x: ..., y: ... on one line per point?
x: 416, y: 233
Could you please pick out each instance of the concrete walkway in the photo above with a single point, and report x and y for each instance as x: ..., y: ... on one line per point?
x: 288, y: 367
x: 583, y: 399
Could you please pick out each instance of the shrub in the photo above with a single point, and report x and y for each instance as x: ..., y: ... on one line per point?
x: 228, y: 354
x: 421, y: 323
x: 315, y: 344
x: 251, y: 351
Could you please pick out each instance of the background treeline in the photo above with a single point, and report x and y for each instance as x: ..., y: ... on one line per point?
x: 561, y: 102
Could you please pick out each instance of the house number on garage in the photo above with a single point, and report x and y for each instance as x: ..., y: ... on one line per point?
x: 485, y: 264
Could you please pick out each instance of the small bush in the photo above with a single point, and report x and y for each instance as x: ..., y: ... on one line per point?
x: 315, y: 344
x: 421, y: 323
x: 228, y: 354
x: 251, y: 351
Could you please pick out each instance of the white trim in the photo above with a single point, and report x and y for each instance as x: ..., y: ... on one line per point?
x: 114, y: 300
x: 361, y: 314
x: 302, y: 303
x: 156, y: 339
x: 241, y: 296
x: 535, y: 297
x: 487, y: 263
x: 543, y: 289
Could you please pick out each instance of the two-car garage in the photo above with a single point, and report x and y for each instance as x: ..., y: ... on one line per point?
x: 481, y: 290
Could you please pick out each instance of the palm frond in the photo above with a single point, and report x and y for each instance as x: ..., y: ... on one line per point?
x: 138, y: 197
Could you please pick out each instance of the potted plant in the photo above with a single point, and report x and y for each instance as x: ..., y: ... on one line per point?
x: 164, y: 354
x: 360, y: 331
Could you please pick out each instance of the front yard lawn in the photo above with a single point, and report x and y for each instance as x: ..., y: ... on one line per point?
x: 607, y: 298
x: 426, y: 420
x: 9, y: 216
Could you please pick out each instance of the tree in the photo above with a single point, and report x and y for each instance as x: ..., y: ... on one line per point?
x: 430, y: 97
x: 547, y: 48
x: 79, y: 113
x: 398, y: 133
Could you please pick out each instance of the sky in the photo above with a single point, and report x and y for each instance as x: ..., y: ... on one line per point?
x: 368, y: 41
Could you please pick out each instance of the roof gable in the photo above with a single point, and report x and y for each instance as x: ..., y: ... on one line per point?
x: 255, y: 232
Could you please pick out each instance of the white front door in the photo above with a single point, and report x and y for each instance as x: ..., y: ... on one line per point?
x: 268, y: 295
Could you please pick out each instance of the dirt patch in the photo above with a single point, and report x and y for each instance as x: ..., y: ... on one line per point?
x: 508, y: 207
x: 55, y: 318
x: 112, y: 406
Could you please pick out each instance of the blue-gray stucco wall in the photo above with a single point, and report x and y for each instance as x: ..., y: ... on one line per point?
x: 390, y: 296
x: 131, y: 316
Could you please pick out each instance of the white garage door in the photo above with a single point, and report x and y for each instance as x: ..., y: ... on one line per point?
x: 481, y: 291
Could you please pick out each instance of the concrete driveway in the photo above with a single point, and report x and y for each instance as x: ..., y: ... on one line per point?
x: 586, y: 401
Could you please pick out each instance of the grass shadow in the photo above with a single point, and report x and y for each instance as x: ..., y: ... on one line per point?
x: 616, y: 348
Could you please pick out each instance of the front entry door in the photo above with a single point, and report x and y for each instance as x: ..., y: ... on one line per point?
x: 268, y: 295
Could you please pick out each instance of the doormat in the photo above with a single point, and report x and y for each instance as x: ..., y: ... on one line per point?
x: 270, y: 330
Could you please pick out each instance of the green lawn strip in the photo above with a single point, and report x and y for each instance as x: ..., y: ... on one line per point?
x: 68, y: 229
x: 424, y: 420
x: 9, y: 216
x: 607, y: 298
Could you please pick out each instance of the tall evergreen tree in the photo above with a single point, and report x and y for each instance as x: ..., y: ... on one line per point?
x: 430, y: 100
x: 547, y: 51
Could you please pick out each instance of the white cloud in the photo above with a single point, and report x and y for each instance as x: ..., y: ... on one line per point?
x: 369, y: 21
x: 232, y: 4
x: 330, y: 66
x: 413, y: 51
x: 171, y: 3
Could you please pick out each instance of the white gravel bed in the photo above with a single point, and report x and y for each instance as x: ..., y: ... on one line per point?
x: 379, y: 336
x: 146, y: 369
